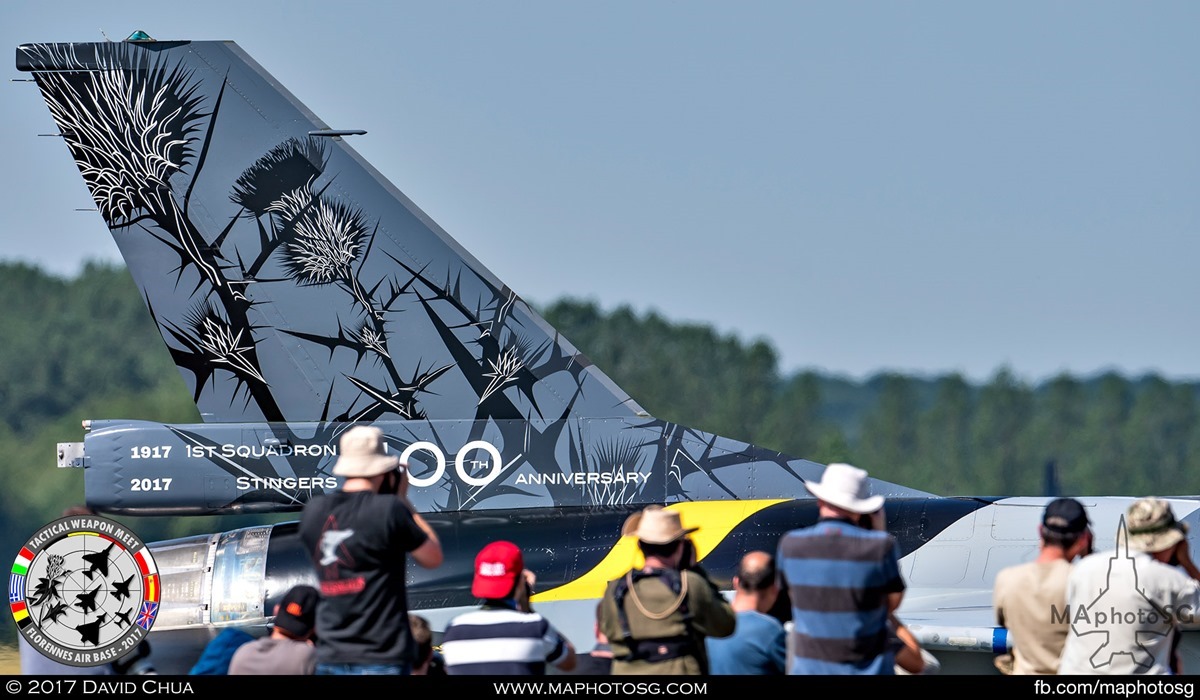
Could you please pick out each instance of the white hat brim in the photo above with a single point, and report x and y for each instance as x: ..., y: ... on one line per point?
x: 844, y: 500
x: 365, y: 466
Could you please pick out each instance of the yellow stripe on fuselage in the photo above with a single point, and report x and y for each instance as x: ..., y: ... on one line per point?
x: 716, y: 519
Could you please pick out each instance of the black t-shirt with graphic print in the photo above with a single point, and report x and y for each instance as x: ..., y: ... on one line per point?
x: 359, y: 543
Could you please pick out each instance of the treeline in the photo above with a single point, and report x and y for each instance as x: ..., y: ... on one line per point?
x: 85, y: 347
x: 1106, y: 434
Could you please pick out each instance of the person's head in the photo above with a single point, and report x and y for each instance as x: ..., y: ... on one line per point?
x: 423, y: 639
x: 296, y: 613
x: 844, y: 491
x: 363, y: 461
x: 500, y: 573
x: 1065, y: 526
x: 1152, y: 528
x: 757, y: 581
x: 662, y: 537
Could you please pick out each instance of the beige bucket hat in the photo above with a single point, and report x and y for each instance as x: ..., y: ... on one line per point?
x: 363, y: 453
x: 656, y: 525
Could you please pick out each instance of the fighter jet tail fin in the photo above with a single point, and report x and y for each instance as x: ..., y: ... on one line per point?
x: 290, y: 280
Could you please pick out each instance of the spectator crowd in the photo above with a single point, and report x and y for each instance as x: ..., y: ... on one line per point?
x: 825, y: 601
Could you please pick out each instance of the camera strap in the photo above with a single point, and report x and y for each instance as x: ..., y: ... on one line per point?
x: 660, y: 648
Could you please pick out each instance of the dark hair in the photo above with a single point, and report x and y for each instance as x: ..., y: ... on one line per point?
x: 1061, y: 539
x: 422, y: 636
x: 758, y: 578
x: 390, y: 485
x: 658, y: 550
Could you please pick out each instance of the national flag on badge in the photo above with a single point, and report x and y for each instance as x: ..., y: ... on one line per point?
x: 16, y: 588
x: 21, y: 565
x: 146, y: 617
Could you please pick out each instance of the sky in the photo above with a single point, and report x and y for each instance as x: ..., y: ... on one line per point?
x: 923, y: 187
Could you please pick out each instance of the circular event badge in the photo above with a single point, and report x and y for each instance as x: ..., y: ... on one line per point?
x: 84, y: 590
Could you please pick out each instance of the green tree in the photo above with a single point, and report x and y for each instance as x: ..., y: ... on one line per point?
x: 943, y: 457
x: 1055, y: 428
x: 684, y: 373
x: 1102, y: 468
x: 1155, y: 436
x: 889, y: 439
x: 793, y: 424
x: 1002, y: 415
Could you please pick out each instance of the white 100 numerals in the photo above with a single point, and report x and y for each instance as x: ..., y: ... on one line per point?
x: 150, y: 452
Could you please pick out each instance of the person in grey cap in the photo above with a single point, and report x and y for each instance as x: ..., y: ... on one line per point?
x: 1127, y: 605
x: 1026, y: 597
x: 359, y: 538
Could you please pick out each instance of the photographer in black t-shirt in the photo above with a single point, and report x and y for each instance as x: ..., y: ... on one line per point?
x: 359, y: 537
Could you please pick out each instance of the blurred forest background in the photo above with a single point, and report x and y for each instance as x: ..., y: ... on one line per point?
x: 85, y: 347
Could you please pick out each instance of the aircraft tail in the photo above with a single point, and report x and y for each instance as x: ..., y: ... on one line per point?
x: 300, y: 292
x: 290, y: 280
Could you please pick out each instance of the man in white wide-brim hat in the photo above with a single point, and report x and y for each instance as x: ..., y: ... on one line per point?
x: 843, y: 578
x: 359, y: 538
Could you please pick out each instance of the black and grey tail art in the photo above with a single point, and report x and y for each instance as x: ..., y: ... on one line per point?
x: 299, y: 292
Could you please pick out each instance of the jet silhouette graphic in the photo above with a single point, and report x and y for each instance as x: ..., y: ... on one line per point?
x: 90, y: 632
x: 121, y: 588
x: 122, y: 618
x: 87, y: 600
x: 1109, y: 602
x: 98, y: 561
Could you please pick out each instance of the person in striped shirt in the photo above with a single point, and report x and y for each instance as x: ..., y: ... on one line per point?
x: 843, y: 578
x: 504, y: 636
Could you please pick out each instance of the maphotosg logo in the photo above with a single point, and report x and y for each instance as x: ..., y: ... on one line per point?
x: 84, y: 590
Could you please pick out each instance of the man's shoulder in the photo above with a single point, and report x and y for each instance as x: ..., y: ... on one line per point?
x: 320, y: 504
x: 834, y: 527
x: 1015, y: 571
x: 759, y: 621
x: 356, y: 501
x: 1101, y: 561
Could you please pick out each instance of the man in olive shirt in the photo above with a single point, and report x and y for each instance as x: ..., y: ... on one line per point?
x: 656, y: 618
x: 1031, y: 599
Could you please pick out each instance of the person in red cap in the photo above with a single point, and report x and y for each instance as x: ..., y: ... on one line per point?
x: 504, y: 636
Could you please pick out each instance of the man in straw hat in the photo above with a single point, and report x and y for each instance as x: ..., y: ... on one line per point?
x: 1127, y: 605
x: 359, y: 537
x: 843, y: 577
x: 656, y: 618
